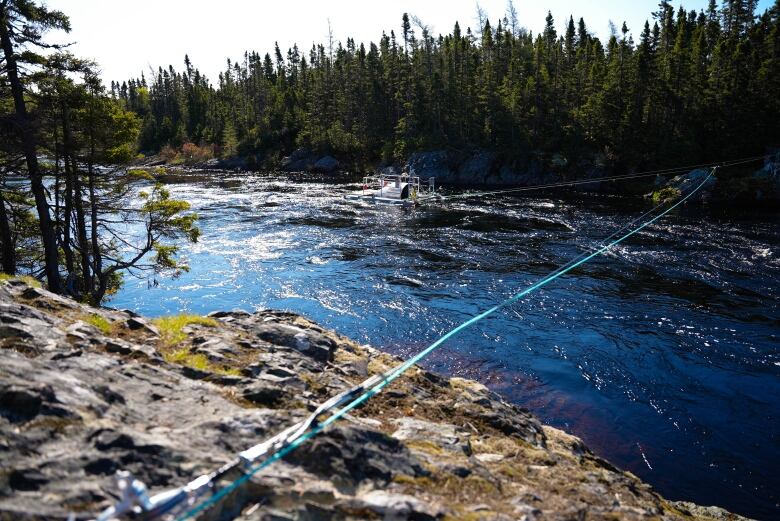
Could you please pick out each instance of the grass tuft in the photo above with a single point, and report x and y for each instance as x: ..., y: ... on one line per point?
x: 30, y: 281
x: 99, y: 322
x: 171, y: 327
x: 425, y: 446
x: 198, y: 361
x: 172, y: 334
x: 184, y: 357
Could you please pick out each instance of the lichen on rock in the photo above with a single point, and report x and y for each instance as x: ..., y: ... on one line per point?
x: 79, y: 402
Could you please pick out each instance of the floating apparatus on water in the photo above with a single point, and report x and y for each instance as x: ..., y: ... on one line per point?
x: 205, y: 491
x: 398, y: 190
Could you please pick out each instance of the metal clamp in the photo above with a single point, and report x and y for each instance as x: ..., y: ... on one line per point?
x: 135, y: 498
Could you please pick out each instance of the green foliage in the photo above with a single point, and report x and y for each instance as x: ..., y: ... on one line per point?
x: 168, y: 221
x: 665, y: 195
x: 229, y: 140
x: 84, y: 137
x: 114, y: 282
x: 172, y: 334
x: 184, y: 357
x: 124, y: 127
x: 690, y: 87
x: 136, y: 174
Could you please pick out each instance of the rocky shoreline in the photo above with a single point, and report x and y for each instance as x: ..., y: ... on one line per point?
x: 761, y: 186
x: 86, y: 391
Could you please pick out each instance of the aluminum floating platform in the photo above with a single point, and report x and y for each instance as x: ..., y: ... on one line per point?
x: 395, y: 190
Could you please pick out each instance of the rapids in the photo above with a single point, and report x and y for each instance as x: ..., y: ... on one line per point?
x: 663, y: 355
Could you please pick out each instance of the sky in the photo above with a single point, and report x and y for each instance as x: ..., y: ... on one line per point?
x: 128, y: 37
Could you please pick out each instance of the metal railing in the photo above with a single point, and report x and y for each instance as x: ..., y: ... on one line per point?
x: 415, y: 184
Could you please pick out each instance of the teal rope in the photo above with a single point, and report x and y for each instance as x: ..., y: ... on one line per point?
x: 422, y: 354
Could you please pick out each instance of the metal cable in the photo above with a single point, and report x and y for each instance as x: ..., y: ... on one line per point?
x: 574, y: 182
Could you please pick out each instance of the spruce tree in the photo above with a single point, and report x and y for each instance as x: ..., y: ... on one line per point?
x: 23, y: 24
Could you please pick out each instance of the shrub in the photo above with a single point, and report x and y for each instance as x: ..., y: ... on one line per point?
x: 188, y: 154
x: 664, y: 195
x: 168, y: 153
x: 192, y: 153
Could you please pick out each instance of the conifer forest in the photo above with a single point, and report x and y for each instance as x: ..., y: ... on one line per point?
x: 693, y: 85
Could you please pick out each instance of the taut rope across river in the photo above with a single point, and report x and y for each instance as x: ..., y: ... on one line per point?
x: 205, y: 491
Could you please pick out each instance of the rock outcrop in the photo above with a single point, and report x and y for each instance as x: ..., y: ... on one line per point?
x: 85, y: 392
x: 327, y: 164
x: 683, y: 184
x: 478, y: 167
x: 487, y: 169
x: 435, y: 164
x: 300, y: 160
x: 304, y: 160
x: 761, y: 189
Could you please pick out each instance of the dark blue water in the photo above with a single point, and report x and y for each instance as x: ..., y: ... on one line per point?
x: 664, y: 355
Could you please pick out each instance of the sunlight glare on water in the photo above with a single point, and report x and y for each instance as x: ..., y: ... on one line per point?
x: 663, y: 354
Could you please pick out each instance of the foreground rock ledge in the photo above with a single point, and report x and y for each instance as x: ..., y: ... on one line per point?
x: 80, y: 401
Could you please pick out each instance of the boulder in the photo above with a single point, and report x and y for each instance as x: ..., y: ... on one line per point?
x: 50, y: 302
x: 327, y: 164
x: 591, y: 170
x: 264, y: 393
x: 29, y: 328
x: 398, y: 507
x: 302, y: 159
x: 769, y: 177
x: 530, y: 173
x: 477, y: 168
x: 233, y: 163
x: 431, y: 164
x: 117, y: 345
x: 309, y: 342
x: 683, y: 184
x: 692, y: 179
x: 139, y: 324
x: 215, y: 349
x: 300, y: 153
x: 355, y: 454
x: 444, y: 435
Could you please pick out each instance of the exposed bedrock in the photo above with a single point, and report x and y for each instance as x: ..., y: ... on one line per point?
x: 85, y: 392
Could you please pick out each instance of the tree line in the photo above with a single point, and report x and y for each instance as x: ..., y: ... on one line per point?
x: 693, y: 86
x: 68, y: 213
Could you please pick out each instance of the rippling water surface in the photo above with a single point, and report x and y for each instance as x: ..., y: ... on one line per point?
x: 663, y: 355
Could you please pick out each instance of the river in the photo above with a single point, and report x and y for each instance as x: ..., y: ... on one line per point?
x: 663, y: 355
